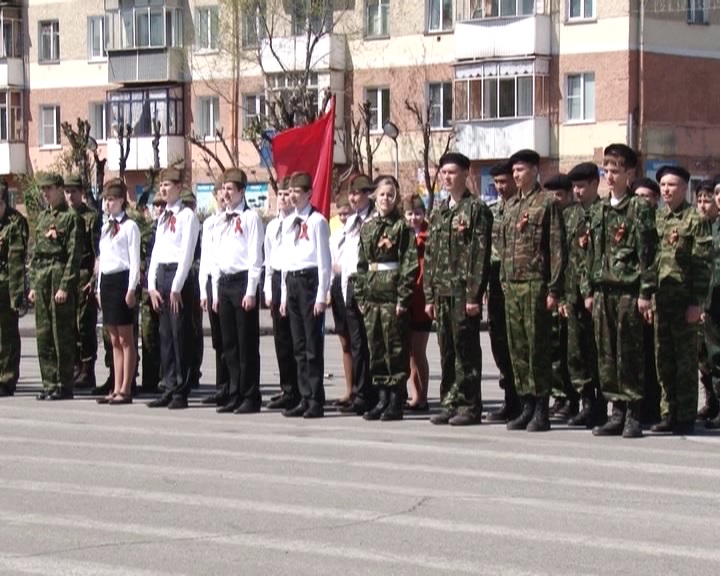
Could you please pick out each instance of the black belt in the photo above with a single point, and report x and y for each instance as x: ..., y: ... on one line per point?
x: 171, y: 266
x: 304, y: 273
x: 224, y: 278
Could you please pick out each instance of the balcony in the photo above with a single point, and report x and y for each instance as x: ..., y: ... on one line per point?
x: 288, y: 54
x: 12, y: 73
x: 493, y: 139
x: 12, y: 158
x: 172, y: 148
x: 146, y: 65
x: 516, y: 36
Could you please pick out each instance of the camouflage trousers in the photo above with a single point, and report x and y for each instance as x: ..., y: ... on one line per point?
x: 529, y: 326
x: 497, y: 328
x: 55, y: 326
x: 460, y: 356
x: 561, y: 377
x: 581, y: 351
x: 9, y: 341
x: 87, y: 317
x: 619, y: 338
x: 388, y: 344
x: 676, y: 357
x: 150, y: 334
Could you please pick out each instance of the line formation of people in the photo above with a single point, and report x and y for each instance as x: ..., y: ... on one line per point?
x: 591, y: 300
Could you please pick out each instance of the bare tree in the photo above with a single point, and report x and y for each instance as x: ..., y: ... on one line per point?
x: 124, y: 133
x: 82, y: 157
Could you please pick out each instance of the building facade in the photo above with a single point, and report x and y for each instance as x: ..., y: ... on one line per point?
x: 564, y: 77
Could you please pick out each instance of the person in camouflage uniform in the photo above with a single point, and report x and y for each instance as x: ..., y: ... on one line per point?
x: 497, y: 326
x: 87, y: 310
x: 683, y: 271
x: 13, y: 248
x: 711, y: 316
x: 53, y: 275
x: 618, y: 288
x: 709, y: 330
x: 457, y: 269
x: 386, y: 274
x: 534, y: 257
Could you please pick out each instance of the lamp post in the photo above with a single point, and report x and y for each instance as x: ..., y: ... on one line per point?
x: 392, y: 131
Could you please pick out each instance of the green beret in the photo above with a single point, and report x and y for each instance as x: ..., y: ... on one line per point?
x: 529, y: 157
x: 114, y: 188
x: 361, y: 183
x: 678, y: 171
x: 73, y: 181
x: 170, y: 175
x: 558, y: 182
x: 187, y: 196
x: 236, y: 176
x: 455, y: 158
x: 50, y: 179
x: 301, y: 180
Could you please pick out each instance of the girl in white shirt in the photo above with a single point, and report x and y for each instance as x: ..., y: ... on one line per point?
x: 118, y: 278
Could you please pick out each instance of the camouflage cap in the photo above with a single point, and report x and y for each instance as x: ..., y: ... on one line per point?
x: 170, y: 175
x: 361, y: 183
x: 412, y: 202
x: 114, y: 188
x: 284, y: 183
x: 50, y: 179
x: 159, y: 200
x: 236, y: 176
x: 73, y: 181
x: 301, y: 180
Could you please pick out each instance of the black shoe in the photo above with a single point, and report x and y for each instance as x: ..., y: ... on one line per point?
x: 583, y: 418
x: 5, y: 392
x: 216, y: 399
x: 569, y: 410
x: 616, y: 424
x: 248, y: 407
x: 558, y: 405
x: 502, y: 414
x: 282, y: 403
x: 358, y: 407
x: 665, y: 425
x: 394, y: 411
x: 383, y: 403
x: 178, y: 403
x: 226, y: 408
x: 103, y: 390
x: 162, y: 402
x: 632, y: 428
x: 522, y: 421
x: 465, y: 420
x: 713, y: 424
x: 424, y: 407
x: 683, y: 429
x: 276, y: 396
x: 61, y: 394
x: 711, y: 409
x: 314, y: 411
x: 297, y: 411
x: 541, y: 418
x: 443, y: 418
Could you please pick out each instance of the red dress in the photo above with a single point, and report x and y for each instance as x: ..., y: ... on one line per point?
x: 419, y: 319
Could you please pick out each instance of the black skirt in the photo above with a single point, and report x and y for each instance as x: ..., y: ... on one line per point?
x: 337, y: 304
x: 113, y: 289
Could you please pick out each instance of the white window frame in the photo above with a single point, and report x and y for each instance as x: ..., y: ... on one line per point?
x: 93, y: 21
x: 374, y: 95
x: 584, y: 76
x: 697, y: 12
x: 12, y: 116
x: 583, y: 12
x: 205, y: 131
x: 429, y: 4
x: 211, y: 14
x: 483, y: 90
x: 98, y: 130
x: 53, y: 37
x: 445, y: 123
x: 484, y: 10
x: 56, y: 143
x: 259, y: 106
x: 253, y: 19
x: 374, y: 20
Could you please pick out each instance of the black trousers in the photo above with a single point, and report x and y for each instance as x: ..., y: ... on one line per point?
x: 222, y: 376
x: 361, y: 385
x: 307, y: 334
x: 241, y: 339
x: 287, y: 366
x: 176, y: 334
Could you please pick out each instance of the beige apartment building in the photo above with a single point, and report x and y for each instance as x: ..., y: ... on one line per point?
x: 564, y: 77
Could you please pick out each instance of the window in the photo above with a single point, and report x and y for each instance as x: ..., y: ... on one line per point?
x: 495, y: 97
x: 153, y: 26
x: 696, y: 12
x: 254, y: 24
x: 254, y: 107
x: 209, y: 110
x: 10, y: 36
x: 49, y: 41
x: 440, y: 15
x: 378, y: 15
x: 581, y: 9
x: 96, y: 38
x: 581, y: 97
x: 505, y: 8
x: 379, y: 99
x: 441, y: 104
x: 207, y: 28
x: 50, y: 126
x: 140, y: 108
x: 11, y: 116
x: 98, y: 121
x: 286, y: 86
x: 315, y: 16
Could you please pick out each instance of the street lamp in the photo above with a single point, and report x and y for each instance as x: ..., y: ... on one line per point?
x: 392, y: 131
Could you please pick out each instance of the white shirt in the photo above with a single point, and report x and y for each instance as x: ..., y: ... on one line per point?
x: 120, y: 251
x: 351, y: 246
x: 175, y: 241
x: 306, y: 246
x: 273, y: 255
x: 208, y: 251
x: 240, y: 246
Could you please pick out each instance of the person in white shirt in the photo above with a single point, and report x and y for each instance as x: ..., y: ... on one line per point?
x: 171, y: 291
x: 118, y: 280
x: 305, y: 284
x: 209, y: 250
x: 364, y: 395
x: 290, y: 394
x: 235, y: 280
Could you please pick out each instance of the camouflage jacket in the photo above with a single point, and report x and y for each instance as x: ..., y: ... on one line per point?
x: 498, y: 210
x: 13, y: 249
x: 457, y: 254
x: 534, y: 246
x: 713, y: 300
x: 576, y: 228
x: 621, y: 247
x: 90, y: 234
x: 683, y: 262
x: 57, y: 241
x: 386, y: 239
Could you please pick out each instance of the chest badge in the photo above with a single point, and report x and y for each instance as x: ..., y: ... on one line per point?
x: 385, y: 242
x: 620, y: 233
x: 52, y: 233
x: 674, y: 237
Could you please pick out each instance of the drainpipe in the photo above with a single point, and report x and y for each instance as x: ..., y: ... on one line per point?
x: 641, y: 81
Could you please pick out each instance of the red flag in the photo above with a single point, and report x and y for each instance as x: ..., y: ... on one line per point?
x: 309, y: 149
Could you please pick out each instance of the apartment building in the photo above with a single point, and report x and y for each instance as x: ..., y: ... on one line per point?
x: 564, y: 77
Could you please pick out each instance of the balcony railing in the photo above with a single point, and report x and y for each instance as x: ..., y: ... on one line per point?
x: 12, y: 158
x: 171, y: 149
x: 290, y: 53
x: 520, y: 36
x: 494, y: 139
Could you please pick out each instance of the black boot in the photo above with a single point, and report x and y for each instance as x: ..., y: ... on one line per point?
x: 86, y: 375
x: 522, y: 421
x: 569, y: 410
x: 616, y: 424
x: 394, y: 411
x: 509, y: 409
x: 106, y: 388
x: 632, y: 428
x: 382, y: 405
x: 585, y: 417
x: 711, y: 408
x: 558, y: 405
x: 713, y: 424
x: 665, y: 425
x: 541, y: 419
